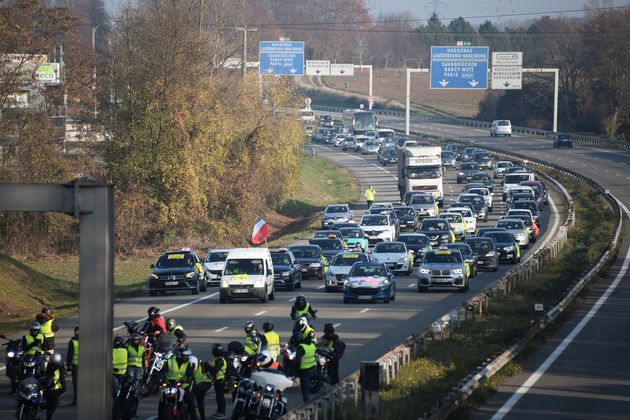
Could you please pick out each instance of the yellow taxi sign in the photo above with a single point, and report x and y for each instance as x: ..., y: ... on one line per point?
x: 442, y: 251
x: 176, y: 256
x: 350, y: 255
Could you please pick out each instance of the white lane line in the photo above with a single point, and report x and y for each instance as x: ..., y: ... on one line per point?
x: 183, y: 305
x: 336, y: 325
x: 534, y: 377
x: 320, y: 287
x: 221, y: 329
x: 412, y: 285
x: 291, y: 300
x: 364, y: 310
x: 260, y: 313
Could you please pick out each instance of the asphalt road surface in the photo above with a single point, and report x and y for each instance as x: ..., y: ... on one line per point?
x: 369, y: 330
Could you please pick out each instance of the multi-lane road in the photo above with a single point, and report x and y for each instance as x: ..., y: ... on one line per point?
x: 369, y: 330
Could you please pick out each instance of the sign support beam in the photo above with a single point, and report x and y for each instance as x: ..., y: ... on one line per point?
x: 555, y: 71
x: 369, y: 67
x: 408, y: 102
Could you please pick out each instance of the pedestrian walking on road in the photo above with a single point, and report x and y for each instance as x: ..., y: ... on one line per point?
x: 335, y: 348
x: 72, y: 362
x: 369, y: 196
x: 306, y: 363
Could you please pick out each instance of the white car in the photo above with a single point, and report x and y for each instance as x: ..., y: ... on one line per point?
x: 378, y: 227
x: 514, y: 180
x: 339, y: 268
x: 214, y: 264
x: 500, y: 167
x: 485, y: 193
x: 385, y: 133
x: 358, y: 143
x: 394, y: 255
x: 339, y: 138
x: 384, y: 206
x: 469, y: 218
x: 501, y: 128
x: 424, y: 205
x: 517, y: 228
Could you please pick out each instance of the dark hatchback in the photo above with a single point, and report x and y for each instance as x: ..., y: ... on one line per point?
x: 506, y: 246
x: 311, y: 258
x: 485, y: 250
x: 287, y: 272
x: 387, y: 155
x: 330, y: 247
x: 177, y: 271
x: 437, y: 230
x: 483, y: 179
x: 418, y: 243
x: 407, y: 218
x: 563, y: 140
x: 466, y: 171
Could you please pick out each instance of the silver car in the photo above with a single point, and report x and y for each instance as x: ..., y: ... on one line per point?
x: 448, y: 159
x: 370, y: 147
x: 444, y: 269
x: 500, y: 167
x: 424, y: 204
x: 339, y: 268
x: 518, y: 229
x: 336, y: 213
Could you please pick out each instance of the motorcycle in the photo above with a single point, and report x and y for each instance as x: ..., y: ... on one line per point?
x: 155, y: 375
x: 13, y: 357
x: 30, y: 398
x: 268, y: 402
x: 31, y: 366
x: 172, y: 403
x: 125, y: 402
x: 239, y: 366
x: 244, y: 393
x: 321, y: 377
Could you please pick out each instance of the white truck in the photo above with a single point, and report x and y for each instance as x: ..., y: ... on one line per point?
x: 420, y: 170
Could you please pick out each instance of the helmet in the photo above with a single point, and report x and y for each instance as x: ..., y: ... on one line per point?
x: 183, y: 353
x: 217, y: 350
x: 136, y: 337
x: 193, y: 362
x: 267, y: 326
x: 153, y: 311
x: 249, y: 327
x: 56, y: 359
x: 170, y: 323
x: 311, y: 336
x: 329, y: 329
x: 35, y: 326
x: 76, y: 330
x: 300, y: 302
x: 119, y: 342
x: 303, y: 323
x: 47, y: 309
x: 264, y: 358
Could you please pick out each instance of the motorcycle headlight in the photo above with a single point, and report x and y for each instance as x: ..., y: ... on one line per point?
x: 10, y: 354
x: 424, y: 271
x: 244, y: 358
x: 269, y: 388
x: 170, y: 391
x: 190, y: 275
x: 460, y: 173
x: 458, y: 271
x: 153, y: 276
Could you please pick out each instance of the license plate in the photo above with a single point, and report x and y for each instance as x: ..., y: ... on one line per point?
x: 365, y: 297
x: 304, y: 270
x: 171, y: 283
x: 240, y: 290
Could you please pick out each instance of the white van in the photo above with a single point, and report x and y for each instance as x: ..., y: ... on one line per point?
x: 248, y: 274
x: 514, y: 180
x: 501, y: 128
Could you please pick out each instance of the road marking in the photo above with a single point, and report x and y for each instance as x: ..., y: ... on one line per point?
x: 291, y: 300
x: 336, y: 325
x: 534, y: 377
x: 364, y: 310
x: 412, y: 285
x: 260, y: 313
x: 321, y: 287
x: 221, y: 329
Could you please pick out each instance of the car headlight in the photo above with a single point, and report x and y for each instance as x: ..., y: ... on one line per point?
x: 460, y: 173
x: 259, y: 283
x: 383, y: 233
x: 509, y: 248
x: 190, y: 275
x: 225, y: 284
x: 315, y: 265
x: 491, y: 254
x: 445, y: 236
x: 424, y: 271
x: 403, y: 260
x: 153, y: 276
x: 458, y: 271
x: 385, y: 282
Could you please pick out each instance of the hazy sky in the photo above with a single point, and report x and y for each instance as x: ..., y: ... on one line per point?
x: 454, y: 8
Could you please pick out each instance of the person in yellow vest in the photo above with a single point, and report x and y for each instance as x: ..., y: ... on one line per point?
x: 253, y: 340
x: 208, y: 373
x: 370, y: 193
x: 120, y: 358
x: 181, y: 368
x: 301, y: 307
x: 306, y: 362
x: 72, y: 362
x: 135, y: 359
x: 53, y: 382
x: 175, y: 331
x: 335, y: 349
x: 49, y: 328
x: 32, y: 342
x: 273, y: 340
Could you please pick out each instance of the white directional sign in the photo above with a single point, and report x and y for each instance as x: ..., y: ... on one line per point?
x: 317, y: 67
x: 507, y: 70
x: 341, y: 69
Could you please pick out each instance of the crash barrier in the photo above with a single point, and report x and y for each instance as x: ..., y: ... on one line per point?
x: 308, y: 150
x: 329, y: 403
x: 577, y: 138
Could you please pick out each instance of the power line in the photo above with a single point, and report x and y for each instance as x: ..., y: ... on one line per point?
x: 402, y: 31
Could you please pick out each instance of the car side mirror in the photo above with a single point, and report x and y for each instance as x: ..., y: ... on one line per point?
x: 152, y: 266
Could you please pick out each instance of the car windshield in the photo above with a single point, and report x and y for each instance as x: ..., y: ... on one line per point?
x: 508, y: 224
x: 389, y: 248
x: 414, y: 239
x: 482, y: 156
x: 280, y: 258
x: 367, y: 271
x: 463, y: 248
x: 448, y: 155
x: 351, y: 233
x: 477, y: 201
x: 371, y: 143
x: 386, y: 134
x: 347, y: 260
x: 388, y: 153
x: 481, y: 178
x: 434, y: 225
x: 370, y: 133
x: 469, y: 166
x: 451, y: 217
x: 516, y: 178
x: 374, y: 220
x: 250, y: 266
x: 305, y: 252
x: 528, y: 205
x: 478, y: 191
x: 405, y: 211
x: 175, y: 261
x: 443, y: 257
x: 423, y: 172
x: 336, y: 209
x: 325, y: 234
x: 503, y: 123
x: 218, y: 256
x: 503, y: 164
x: 500, y: 236
x: 463, y: 212
x: 328, y: 244
x: 422, y: 199
x: 480, y: 246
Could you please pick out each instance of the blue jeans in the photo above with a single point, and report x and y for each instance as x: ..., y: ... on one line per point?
x: 305, y: 379
x: 134, y: 375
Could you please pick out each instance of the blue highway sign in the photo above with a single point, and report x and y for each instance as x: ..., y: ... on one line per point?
x: 281, y: 58
x: 459, y: 67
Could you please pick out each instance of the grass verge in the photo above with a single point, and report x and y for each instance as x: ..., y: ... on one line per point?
x: 446, y: 363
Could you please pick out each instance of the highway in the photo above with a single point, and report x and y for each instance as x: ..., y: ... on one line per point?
x: 369, y: 330
x: 582, y: 371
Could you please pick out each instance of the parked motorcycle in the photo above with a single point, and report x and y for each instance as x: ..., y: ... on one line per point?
x: 172, y: 403
x: 321, y: 377
x: 244, y: 392
x: 268, y: 402
x: 125, y: 402
x: 30, y: 399
x: 13, y: 357
x: 155, y: 375
x: 31, y: 366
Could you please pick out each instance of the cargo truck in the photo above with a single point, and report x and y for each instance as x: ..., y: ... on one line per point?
x: 420, y: 170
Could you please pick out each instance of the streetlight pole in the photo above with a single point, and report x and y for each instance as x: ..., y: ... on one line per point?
x: 245, y: 29
x: 94, y: 28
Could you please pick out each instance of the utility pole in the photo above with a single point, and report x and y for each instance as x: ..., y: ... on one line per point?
x: 245, y: 29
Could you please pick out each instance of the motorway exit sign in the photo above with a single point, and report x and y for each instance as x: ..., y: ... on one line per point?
x: 284, y: 58
x: 459, y: 67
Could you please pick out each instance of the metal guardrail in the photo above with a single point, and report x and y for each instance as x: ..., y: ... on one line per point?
x: 578, y: 138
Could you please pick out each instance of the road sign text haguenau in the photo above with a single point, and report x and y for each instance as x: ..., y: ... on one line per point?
x: 459, y: 67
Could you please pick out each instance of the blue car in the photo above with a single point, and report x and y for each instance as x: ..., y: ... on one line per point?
x: 369, y: 281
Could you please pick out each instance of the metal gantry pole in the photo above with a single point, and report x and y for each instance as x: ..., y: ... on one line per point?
x: 555, y: 72
x: 408, y: 100
x: 245, y: 29
x: 369, y: 67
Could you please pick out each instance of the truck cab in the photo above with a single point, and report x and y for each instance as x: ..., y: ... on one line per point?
x: 420, y: 171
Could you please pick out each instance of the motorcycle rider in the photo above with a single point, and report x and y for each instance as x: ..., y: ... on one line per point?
x: 253, y: 341
x: 267, y: 361
x: 175, y: 331
x: 182, y: 368
x: 72, y: 362
x: 53, y: 382
x: 120, y: 358
x: 48, y: 328
x: 218, y: 369
x: 301, y: 307
x: 301, y: 330
x: 135, y: 359
x: 334, y: 348
x: 306, y: 363
x: 155, y: 325
x: 32, y: 342
x: 273, y: 339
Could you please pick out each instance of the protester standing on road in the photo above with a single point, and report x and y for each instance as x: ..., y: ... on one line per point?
x: 335, y: 348
x: 72, y: 362
x: 49, y: 328
x: 273, y: 340
x: 369, y: 196
x: 135, y: 359
x: 119, y: 363
x: 175, y: 331
x: 306, y: 362
x: 218, y: 368
x: 54, y: 384
x: 202, y: 384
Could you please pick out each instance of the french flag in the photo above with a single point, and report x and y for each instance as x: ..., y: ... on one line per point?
x: 261, y: 231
